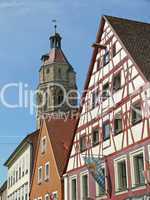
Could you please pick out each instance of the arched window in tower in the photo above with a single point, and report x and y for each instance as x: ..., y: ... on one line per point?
x: 60, y: 97
x: 39, y: 99
x: 59, y: 73
x: 45, y: 101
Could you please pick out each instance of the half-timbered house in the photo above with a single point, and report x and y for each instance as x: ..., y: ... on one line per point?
x: 114, y: 117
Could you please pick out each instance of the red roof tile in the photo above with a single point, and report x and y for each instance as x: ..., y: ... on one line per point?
x: 56, y: 55
x: 61, y: 134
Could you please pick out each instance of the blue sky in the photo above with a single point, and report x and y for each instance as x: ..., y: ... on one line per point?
x: 25, y: 26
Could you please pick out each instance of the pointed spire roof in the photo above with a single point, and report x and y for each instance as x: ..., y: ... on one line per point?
x: 56, y: 54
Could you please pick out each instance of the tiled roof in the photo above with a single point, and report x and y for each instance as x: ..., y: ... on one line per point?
x: 3, y: 187
x: 61, y: 134
x: 55, y: 55
x: 135, y: 37
x: 31, y: 138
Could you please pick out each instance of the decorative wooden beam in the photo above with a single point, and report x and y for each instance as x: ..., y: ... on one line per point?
x: 99, y: 46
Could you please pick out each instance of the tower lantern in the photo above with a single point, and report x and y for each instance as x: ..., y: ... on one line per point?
x: 55, y: 41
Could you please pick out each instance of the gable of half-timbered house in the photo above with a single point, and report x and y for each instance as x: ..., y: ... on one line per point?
x: 116, y: 89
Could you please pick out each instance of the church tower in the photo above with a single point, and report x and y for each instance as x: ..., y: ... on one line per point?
x: 57, y: 90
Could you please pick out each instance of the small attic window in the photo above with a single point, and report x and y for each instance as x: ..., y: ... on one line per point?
x: 114, y: 51
x: 106, y: 57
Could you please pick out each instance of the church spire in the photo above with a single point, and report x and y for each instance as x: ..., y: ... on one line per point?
x: 55, y: 40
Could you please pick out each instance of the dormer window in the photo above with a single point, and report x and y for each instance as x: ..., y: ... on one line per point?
x: 106, y: 57
x: 43, y: 145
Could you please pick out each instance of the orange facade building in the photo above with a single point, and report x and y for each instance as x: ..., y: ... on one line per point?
x: 51, y: 158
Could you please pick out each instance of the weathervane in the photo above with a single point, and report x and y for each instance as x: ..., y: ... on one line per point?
x: 55, y: 25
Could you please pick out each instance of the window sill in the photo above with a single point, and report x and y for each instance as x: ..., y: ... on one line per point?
x: 105, y: 139
x: 83, y: 150
x: 116, y: 90
x: 46, y: 179
x: 117, y: 133
x: 106, y: 63
x: 39, y: 182
x: 121, y: 191
x: 136, y: 122
x: 103, y: 196
x: 136, y: 186
x: 95, y: 144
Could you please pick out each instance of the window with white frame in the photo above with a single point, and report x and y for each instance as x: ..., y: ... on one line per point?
x: 138, y: 162
x: 95, y: 136
x: 74, y: 188
x: 82, y: 143
x: 121, y: 174
x: 106, y: 130
x: 20, y: 170
x: 114, y: 49
x: 84, y: 186
x: 47, y: 197
x: 22, y: 193
x: 106, y: 57
x: 95, y: 98
x: 23, y: 166
x: 105, y: 91
x: 55, y: 195
x: 117, y: 123
x: 43, y: 145
x: 26, y: 191
x: 117, y: 82
x: 136, y: 113
x: 40, y: 174
x: 47, y: 171
x: 137, y: 165
x: 101, y: 189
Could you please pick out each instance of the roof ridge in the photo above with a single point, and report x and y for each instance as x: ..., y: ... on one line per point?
x: 125, y: 19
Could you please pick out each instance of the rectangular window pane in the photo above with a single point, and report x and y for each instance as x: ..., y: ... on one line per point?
x: 106, y: 57
x: 84, y: 186
x: 122, y: 177
x: 106, y: 130
x: 95, y: 137
x: 117, y: 82
x: 82, y: 143
x: 136, y: 113
x: 117, y: 123
x: 138, y: 169
x: 74, y: 189
x: 105, y: 92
